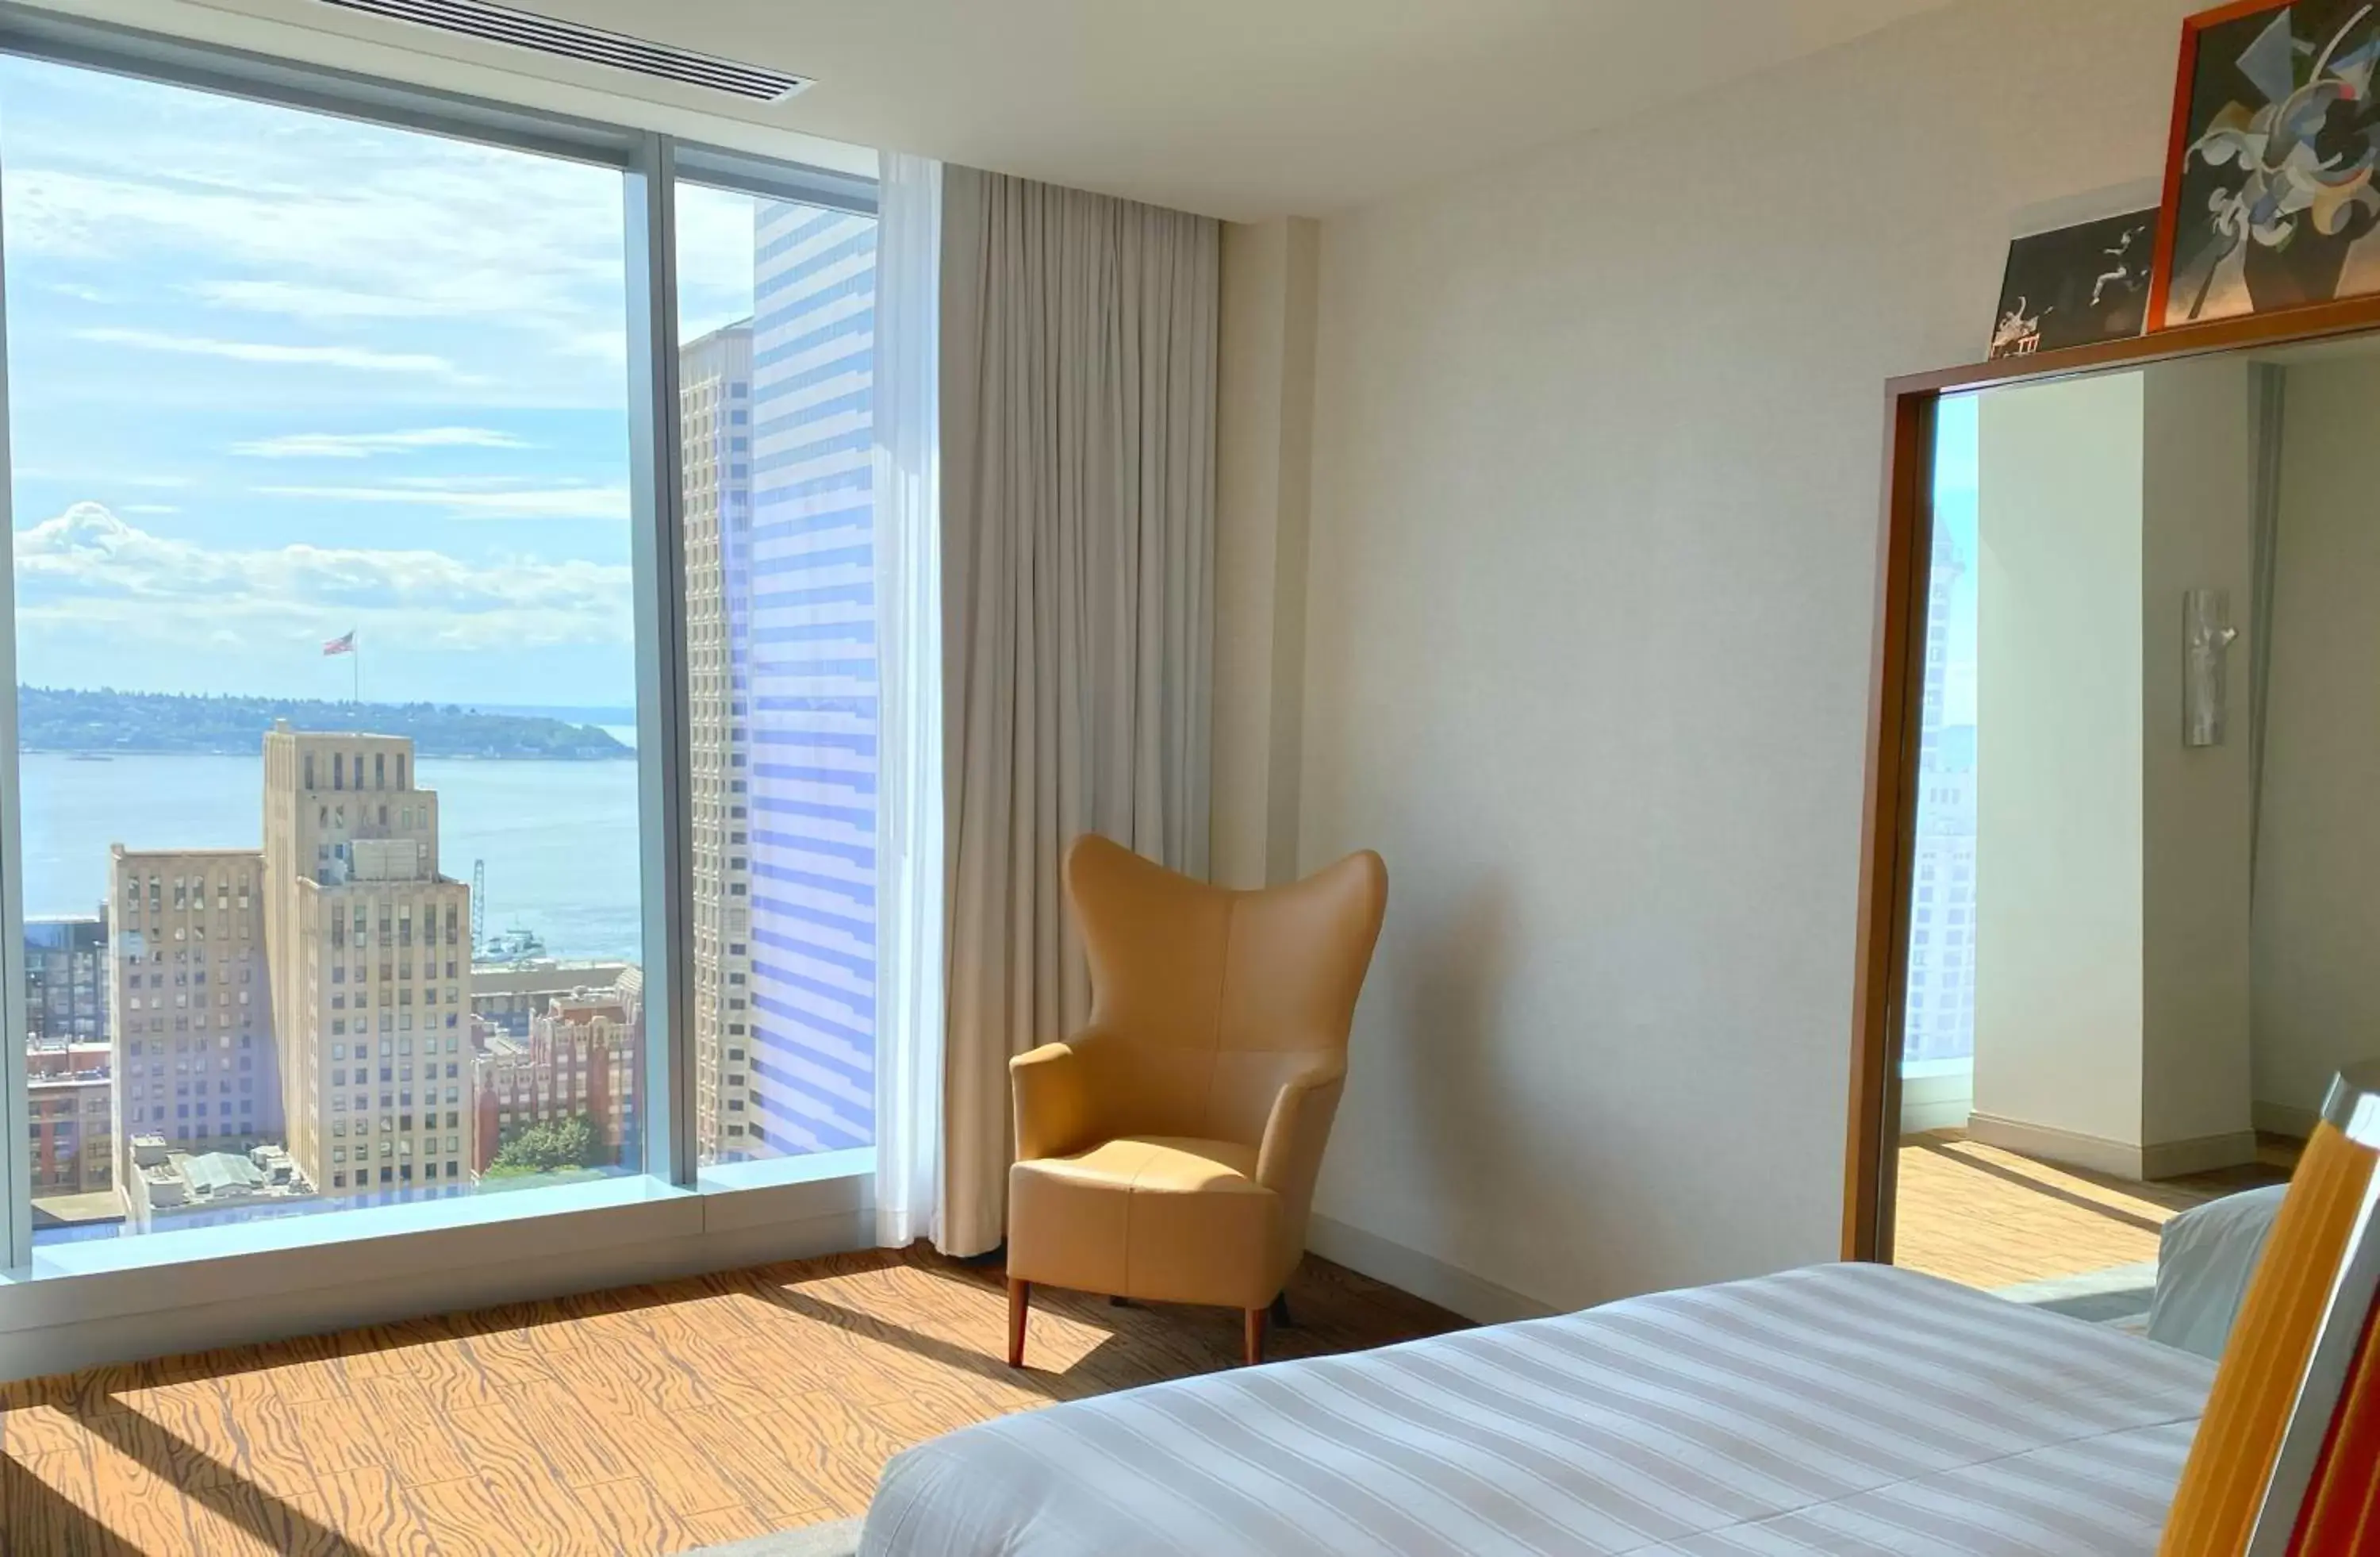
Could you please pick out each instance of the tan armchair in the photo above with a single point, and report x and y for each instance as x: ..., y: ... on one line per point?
x: 1168, y: 1151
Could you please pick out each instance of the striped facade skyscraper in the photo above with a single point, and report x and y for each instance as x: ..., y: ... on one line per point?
x: 808, y: 660
x: 781, y: 585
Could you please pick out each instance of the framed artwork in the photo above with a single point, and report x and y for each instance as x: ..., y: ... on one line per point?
x: 2076, y: 286
x: 2269, y: 195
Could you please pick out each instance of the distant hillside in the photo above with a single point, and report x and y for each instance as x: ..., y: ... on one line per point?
x: 57, y: 719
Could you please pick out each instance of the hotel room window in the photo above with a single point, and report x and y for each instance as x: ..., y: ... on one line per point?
x: 776, y: 322
x: 325, y: 420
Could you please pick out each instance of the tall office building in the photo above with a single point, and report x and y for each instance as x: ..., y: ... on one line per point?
x: 1939, y: 1024
x: 369, y: 948
x: 715, y: 420
x: 190, y: 1020
x: 805, y: 666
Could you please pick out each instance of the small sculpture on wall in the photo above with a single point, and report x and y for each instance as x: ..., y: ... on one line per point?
x: 2207, y: 637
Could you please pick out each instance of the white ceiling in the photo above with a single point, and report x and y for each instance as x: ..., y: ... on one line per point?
x: 1239, y: 108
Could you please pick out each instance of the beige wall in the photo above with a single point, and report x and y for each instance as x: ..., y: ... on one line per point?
x: 2059, y: 791
x: 1597, y: 441
x: 2198, y: 508
x: 1263, y: 484
x: 2318, y: 854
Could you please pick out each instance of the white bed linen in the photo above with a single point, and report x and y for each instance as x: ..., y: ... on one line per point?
x: 1842, y: 1409
x: 2205, y: 1258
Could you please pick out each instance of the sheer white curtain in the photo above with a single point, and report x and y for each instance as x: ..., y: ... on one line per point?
x: 909, y: 618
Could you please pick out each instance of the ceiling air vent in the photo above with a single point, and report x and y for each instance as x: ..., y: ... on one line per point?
x: 590, y: 45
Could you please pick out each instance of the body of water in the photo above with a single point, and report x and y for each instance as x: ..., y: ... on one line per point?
x: 559, y: 838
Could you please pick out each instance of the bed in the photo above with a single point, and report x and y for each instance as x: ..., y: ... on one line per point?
x: 1840, y: 1409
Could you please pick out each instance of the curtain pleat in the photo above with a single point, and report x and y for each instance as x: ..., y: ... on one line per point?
x: 1078, y: 340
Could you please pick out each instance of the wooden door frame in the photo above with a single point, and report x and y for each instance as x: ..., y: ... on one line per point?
x: 1896, y: 687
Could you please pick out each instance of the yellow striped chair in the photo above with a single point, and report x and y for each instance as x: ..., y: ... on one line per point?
x: 2287, y: 1459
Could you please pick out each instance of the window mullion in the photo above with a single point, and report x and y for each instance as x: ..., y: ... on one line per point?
x: 664, y: 735
x: 16, y: 1162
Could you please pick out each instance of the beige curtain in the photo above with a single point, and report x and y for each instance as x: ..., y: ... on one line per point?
x: 1078, y: 521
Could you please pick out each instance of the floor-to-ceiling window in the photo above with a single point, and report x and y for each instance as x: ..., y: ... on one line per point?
x: 334, y: 451
x: 777, y: 323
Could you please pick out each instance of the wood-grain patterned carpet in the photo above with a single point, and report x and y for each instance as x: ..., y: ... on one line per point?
x: 1992, y: 1218
x: 645, y: 1420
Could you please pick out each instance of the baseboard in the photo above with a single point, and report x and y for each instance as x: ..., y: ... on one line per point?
x: 2115, y: 1158
x: 2202, y: 1154
x: 1426, y: 1276
x: 2280, y: 1119
x: 2100, y: 1155
x: 76, y: 1344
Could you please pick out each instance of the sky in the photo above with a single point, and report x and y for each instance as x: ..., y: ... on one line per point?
x: 275, y: 376
x: 1957, y: 460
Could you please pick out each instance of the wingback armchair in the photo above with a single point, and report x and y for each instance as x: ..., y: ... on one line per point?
x: 1168, y: 1151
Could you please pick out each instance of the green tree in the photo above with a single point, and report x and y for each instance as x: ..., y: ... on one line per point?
x: 553, y: 1147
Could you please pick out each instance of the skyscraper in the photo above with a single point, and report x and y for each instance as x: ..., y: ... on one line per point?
x: 1940, y: 1020
x: 715, y: 422
x: 777, y: 422
x: 370, y: 966
x: 807, y: 660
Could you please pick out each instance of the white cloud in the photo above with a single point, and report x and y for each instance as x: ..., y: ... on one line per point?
x: 511, y: 259
x: 86, y: 570
x: 473, y: 498
x: 356, y: 359
x: 362, y: 445
x: 314, y: 304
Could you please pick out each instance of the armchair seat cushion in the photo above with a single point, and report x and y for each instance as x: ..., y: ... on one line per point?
x: 1169, y: 1219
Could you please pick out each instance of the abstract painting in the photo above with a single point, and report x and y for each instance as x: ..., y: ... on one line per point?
x: 2076, y: 286
x: 2269, y: 198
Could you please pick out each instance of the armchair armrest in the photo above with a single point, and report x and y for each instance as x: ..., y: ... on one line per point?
x: 1291, y: 1153
x: 1054, y: 1097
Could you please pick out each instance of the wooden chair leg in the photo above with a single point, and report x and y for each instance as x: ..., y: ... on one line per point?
x: 1020, y: 1299
x: 1252, y: 1348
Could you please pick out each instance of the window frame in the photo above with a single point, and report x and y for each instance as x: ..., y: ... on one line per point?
x: 803, y: 1207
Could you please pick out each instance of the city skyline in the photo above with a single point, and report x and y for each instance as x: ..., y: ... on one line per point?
x: 276, y: 375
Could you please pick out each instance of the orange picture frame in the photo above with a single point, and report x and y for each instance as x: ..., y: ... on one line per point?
x: 2177, y: 145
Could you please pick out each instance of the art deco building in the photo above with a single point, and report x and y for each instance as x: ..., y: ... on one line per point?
x: 371, y: 958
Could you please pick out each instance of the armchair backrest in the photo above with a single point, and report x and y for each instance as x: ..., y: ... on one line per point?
x: 1221, y: 996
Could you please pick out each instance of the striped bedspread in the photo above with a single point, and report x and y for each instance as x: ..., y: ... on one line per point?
x: 1842, y: 1409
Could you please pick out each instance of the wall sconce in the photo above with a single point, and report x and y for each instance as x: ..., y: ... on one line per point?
x: 2207, y: 637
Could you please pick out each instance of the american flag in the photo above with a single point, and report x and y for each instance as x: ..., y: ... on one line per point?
x: 346, y: 645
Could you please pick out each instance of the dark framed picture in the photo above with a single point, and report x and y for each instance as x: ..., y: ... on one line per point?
x: 2076, y: 286
x: 2269, y: 195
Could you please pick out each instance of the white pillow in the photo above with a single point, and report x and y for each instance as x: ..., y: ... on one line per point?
x: 2205, y: 1256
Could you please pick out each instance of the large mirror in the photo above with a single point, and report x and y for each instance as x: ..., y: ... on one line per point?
x: 2142, y: 912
